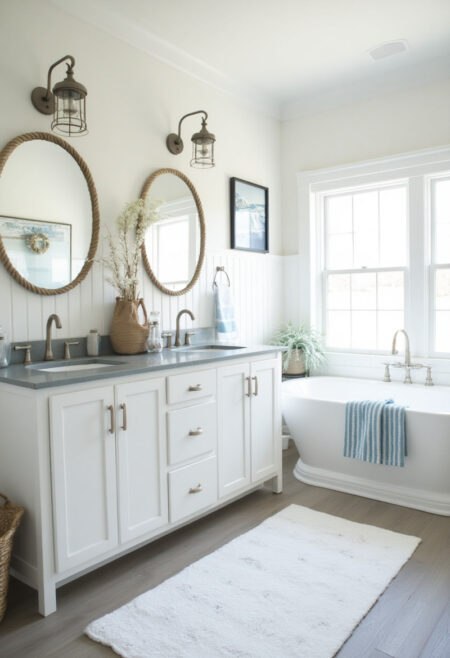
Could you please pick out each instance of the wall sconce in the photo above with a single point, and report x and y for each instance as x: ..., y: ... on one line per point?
x: 202, y: 143
x: 67, y: 102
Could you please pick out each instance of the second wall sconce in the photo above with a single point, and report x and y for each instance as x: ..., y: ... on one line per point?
x: 202, y: 143
x: 67, y: 102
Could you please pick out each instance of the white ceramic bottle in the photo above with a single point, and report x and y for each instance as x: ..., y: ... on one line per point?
x: 92, y: 342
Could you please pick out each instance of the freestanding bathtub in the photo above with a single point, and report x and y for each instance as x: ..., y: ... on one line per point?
x: 314, y: 409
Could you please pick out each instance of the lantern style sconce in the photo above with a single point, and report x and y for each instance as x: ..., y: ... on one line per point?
x: 202, y: 143
x: 67, y: 102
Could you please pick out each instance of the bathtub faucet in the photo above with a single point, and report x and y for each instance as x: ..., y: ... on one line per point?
x: 407, y: 365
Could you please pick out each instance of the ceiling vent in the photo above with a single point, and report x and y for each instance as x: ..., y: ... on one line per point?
x: 388, y: 49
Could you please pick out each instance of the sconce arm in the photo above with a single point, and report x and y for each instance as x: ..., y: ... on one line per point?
x: 190, y: 115
x: 49, y: 75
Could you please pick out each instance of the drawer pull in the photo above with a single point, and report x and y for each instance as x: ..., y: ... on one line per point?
x: 112, y: 428
x: 196, y: 432
x: 197, y: 489
x: 195, y: 387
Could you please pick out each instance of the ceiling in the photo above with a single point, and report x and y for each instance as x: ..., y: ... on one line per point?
x: 288, y: 57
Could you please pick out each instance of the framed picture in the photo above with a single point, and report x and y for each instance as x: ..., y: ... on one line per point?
x: 40, y: 251
x: 249, y: 207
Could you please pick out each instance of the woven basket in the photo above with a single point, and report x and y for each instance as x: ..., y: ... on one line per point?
x: 10, y: 516
x: 128, y: 335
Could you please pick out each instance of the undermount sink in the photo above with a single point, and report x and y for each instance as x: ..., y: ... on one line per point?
x: 86, y: 364
x: 209, y: 349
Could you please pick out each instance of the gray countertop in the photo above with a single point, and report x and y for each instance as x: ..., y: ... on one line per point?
x: 120, y: 365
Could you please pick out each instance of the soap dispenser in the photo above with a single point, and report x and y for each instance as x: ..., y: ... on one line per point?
x: 5, y: 349
x: 154, y: 343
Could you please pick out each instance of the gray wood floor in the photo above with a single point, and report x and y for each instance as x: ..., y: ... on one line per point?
x: 411, y: 618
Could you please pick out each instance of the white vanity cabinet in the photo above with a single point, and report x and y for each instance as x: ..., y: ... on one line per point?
x: 248, y: 424
x: 108, y: 457
x: 106, y: 465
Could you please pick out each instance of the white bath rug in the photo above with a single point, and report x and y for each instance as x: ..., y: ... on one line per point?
x: 296, y: 585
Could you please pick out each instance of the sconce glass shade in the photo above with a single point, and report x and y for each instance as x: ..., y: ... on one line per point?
x: 203, y: 148
x: 69, y: 116
x: 67, y: 102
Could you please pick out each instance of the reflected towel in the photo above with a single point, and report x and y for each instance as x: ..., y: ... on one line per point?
x: 375, y: 432
x: 225, y: 320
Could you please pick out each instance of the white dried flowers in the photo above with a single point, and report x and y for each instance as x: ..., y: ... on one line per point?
x: 125, y: 248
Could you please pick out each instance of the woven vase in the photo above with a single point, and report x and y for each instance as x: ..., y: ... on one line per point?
x: 128, y: 335
x: 296, y: 363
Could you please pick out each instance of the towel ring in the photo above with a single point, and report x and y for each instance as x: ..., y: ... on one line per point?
x: 219, y: 269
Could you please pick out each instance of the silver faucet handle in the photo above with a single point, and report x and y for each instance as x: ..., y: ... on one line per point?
x: 27, y: 348
x: 67, y: 344
x: 187, y: 337
x: 428, y: 380
x: 168, y: 336
x: 387, y: 374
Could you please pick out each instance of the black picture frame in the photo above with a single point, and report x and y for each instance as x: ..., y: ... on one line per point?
x: 249, y: 215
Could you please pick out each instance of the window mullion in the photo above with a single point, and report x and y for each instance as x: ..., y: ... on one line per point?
x: 416, y: 307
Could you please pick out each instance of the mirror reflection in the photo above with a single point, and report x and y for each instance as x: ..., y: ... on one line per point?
x: 174, y: 245
x: 46, y: 215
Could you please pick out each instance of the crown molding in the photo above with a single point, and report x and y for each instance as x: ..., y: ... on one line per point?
x: 100, y: 14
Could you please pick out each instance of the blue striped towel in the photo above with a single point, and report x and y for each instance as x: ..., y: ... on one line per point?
x: 224, y: 312
x: 375, y: 432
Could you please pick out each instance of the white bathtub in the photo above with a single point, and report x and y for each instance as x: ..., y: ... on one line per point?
x: 313, y: 409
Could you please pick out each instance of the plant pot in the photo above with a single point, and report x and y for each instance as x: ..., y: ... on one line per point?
x: 128, y: 334
x: 295, y: 365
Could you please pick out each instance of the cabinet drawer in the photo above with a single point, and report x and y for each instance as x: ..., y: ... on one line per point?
x: 191, y: 386
x: 192, y: 488
x: 191, y: 431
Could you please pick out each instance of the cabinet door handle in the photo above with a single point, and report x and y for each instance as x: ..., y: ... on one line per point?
x: 255, y: 392
x: 196, y: 432
x: 112, y: 428
x: 197, y: 489
x: 249, y: 387
x: 123, y: 406
x: 195, y: 387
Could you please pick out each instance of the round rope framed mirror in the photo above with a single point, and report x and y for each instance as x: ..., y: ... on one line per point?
x: 174, y: 248
x: 49, y: 215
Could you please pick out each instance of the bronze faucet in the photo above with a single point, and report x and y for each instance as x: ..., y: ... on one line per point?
x: 177, y: 332
x: 48, y: 342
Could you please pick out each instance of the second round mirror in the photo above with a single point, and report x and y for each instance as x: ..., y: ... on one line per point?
x: 174, y: 247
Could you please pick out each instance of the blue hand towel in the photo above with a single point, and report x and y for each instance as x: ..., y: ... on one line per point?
x: 224, y: 312
x: 375, y: 432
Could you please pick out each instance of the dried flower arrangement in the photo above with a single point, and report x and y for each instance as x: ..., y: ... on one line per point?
x: 125, y: 248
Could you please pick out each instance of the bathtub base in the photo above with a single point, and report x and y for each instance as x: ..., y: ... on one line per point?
x: 388, y: 493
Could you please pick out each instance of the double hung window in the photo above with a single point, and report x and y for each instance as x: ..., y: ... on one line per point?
x: 381, y: 253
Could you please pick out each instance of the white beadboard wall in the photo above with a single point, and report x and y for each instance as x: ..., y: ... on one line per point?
x: 257, y: 285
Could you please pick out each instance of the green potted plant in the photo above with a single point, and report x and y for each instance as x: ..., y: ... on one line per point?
x: 305, y: 350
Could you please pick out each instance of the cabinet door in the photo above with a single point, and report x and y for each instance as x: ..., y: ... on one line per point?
x: 233, y: 428
x: 265, y: 418
x: 83, y: 473
x: 141, y: 451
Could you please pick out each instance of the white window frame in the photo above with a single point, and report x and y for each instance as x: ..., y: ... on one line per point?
x: 433, y: 266
x: 321, y: 249
x: 418, y: 169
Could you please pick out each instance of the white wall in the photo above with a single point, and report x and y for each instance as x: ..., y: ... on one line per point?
x: 387, y: 125
x: 134, y: 101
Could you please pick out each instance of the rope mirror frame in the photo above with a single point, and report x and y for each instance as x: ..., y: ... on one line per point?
x: 201, y: 218
x: 47, y: 137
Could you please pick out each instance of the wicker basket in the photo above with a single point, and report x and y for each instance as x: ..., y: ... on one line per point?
x: 10, y: 516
